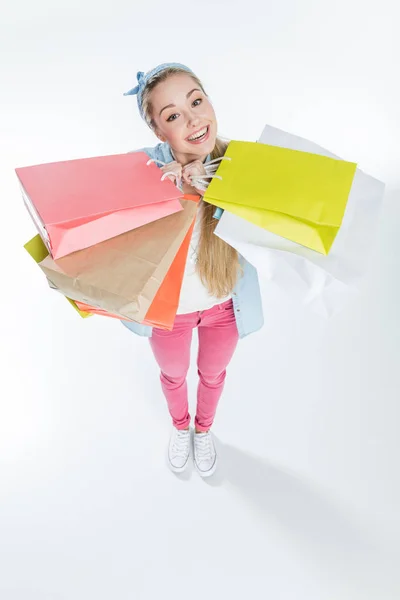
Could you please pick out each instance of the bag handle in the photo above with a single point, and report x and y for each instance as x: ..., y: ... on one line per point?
x: 178, y: 182
x: 211, y: 168
x: 198, y: 181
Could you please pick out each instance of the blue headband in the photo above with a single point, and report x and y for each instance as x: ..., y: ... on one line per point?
x: 144, y: 78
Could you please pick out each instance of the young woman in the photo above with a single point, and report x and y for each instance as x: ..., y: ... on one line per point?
x: 220, y: 292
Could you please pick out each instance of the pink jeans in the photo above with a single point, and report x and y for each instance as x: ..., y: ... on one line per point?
x: 218, y: 337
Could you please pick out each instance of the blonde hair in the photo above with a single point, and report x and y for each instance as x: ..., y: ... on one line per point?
x: 218, y: 263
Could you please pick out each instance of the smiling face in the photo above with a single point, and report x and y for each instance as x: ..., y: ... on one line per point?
x: 184, y: 117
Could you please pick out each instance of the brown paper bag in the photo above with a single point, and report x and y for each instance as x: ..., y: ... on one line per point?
x: 122, y: 275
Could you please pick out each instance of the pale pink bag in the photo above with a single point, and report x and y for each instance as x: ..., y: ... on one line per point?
x: 76, y: 204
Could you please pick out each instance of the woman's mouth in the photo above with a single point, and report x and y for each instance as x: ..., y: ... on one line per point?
x: 199, y: 136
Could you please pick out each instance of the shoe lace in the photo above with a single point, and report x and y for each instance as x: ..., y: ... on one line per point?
x: 203, y: 446
x: 180, y: 443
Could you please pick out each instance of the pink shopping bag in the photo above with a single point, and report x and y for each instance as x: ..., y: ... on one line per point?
x: 76, y: 204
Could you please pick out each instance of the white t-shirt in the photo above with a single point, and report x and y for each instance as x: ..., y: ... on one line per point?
x: 194, y: 295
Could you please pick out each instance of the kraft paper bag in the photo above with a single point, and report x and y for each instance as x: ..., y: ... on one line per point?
x: 122, y: 275
x: 162, y: 311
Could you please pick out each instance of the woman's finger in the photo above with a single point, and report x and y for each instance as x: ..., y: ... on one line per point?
x: 195, y: 168
x: 186, y: 176
x: 173, y: 171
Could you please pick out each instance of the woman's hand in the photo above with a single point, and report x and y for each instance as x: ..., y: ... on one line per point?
x: 195, y: 168
x: 175, y: 172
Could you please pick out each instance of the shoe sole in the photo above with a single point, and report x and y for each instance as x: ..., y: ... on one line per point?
x: 205, y: 474
x: 185, y: 466
x: 178, y: 469
x: 208, y: 473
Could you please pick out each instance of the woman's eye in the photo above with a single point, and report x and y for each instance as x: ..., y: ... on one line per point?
x: 173, y: 117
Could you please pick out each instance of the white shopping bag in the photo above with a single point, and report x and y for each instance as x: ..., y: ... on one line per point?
x: 322, y: 282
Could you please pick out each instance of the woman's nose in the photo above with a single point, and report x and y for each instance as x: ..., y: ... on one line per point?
x: 193, y: 120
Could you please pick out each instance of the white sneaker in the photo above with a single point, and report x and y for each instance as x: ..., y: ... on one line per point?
x: 205, y: 455
x: 179, y: 450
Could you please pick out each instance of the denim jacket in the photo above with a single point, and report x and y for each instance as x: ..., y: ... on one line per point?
x: 246, y: 295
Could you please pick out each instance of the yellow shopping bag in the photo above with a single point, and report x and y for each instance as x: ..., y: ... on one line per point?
x: 297, y: 195
x: 36, y: 248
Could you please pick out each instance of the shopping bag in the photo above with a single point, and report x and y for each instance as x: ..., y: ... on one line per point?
x: 38, y: 251
x: 324, y: 283
x: 76, y: 204
x: 298, y: 195
x: 122, y: 275
x: 95, y: 311
x: 162, y: 311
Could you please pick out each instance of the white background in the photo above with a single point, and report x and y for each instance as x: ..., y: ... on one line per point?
x: 305, y: 503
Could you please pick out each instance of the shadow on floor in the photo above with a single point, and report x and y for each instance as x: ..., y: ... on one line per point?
x: 322, y: 530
